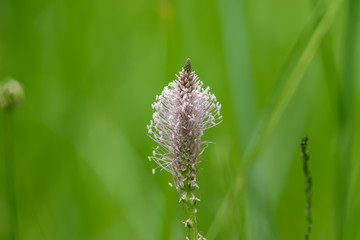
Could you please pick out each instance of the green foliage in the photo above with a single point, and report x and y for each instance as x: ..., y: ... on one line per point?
x: 90, y: 71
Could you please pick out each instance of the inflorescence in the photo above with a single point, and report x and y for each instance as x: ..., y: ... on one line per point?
x: 183, y: 112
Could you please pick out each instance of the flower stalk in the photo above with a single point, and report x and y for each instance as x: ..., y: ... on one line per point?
x: 9, y: 174
x: 307, y: 186
x: 183, y: 112
x: 11, y: 94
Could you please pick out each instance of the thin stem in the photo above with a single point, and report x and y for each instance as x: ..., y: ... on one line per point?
x: 192, y: 229
x: 308, y: 186
x: 9, y: 173
x: 191, y: 223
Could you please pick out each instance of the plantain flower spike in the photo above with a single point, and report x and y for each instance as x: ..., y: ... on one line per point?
x: 11, y: 94
x: 183, y: 112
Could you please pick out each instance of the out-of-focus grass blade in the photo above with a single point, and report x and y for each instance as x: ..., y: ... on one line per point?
x: 116, y: 165
x: 238, y: 67
x: 346, y: 124
x: 282, y: 102
x: 293, y: 80
x: 106, y: 150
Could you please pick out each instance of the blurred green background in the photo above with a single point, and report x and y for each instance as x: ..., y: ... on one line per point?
x: 91, y: 70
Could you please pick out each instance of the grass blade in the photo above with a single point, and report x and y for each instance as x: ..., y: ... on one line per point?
x: 282, y: 102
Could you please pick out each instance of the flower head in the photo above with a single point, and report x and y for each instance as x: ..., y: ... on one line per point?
x: 11, y: 93
x: 183, y: 112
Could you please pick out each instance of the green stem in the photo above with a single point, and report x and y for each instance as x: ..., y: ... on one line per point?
x: 308, y: 186
x: 192, y: 224
x: 9, y: 173
x: 189, y: 198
